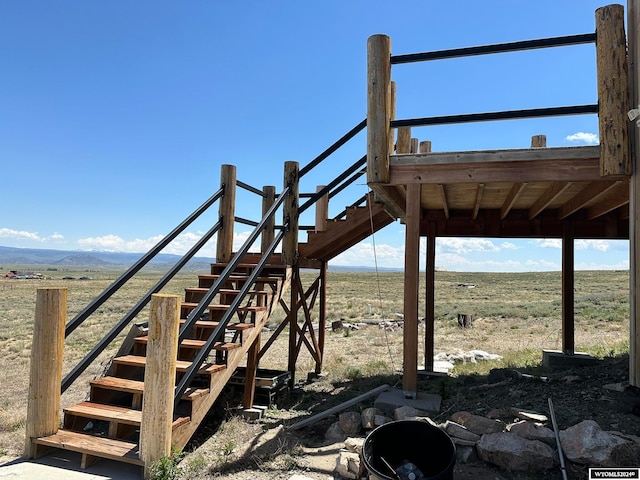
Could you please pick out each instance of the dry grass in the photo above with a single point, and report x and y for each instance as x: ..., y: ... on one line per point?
x: 516, y: 315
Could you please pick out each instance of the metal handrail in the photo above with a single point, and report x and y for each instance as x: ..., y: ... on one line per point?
x: 136, y: 267
x: 219, y: 330
x: 197, y: 312
x: 137, y: 308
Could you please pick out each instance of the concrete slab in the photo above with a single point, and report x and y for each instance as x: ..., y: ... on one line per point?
x: 394, y: 398
x: 557, y: 358
x: 65, y: 465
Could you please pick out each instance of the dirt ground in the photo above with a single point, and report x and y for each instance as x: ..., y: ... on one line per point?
x: 227, y: 447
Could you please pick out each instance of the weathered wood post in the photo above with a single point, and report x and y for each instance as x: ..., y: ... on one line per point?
x: 403, y: 144
x: 322, y: 315
x: 227, y: 212
x: 633, y: 22
x: 411, y: 283
x: 268, y: 233
x: 322, y: 210
x: 290, y: 214
x: 568, y: 285
x: 539, y: 141
x: 613, y: 91
x: 45, y: 377
x: 379, y: 108
x: 159, y: 380
x: 250, y: 374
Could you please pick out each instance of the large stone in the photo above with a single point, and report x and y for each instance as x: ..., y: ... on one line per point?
x: 369, y: 417
x: 465, y: 454
x: 348, y: 465
x: 354, y: 444
x: 478, y: 424
x: 407, y: 412
x: 350, y: 422
x: 334, y: 433
x: 458, y: 431
x: 513, y: 452
x: 531, y: 431
x: 588, y: 444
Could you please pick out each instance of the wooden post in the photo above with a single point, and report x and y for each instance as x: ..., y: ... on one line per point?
x: 250, y: 374
x: 539, y: 141
x: 392, y: 116
x: 293, y: 324
x: 411, y: 282
x: 403, y: 145
x: 45, y: 377
x: 430, y: 299
x: 379, y: 108
x: 568, y: 320
x: 414, y: 145
x: 224, y: 248
x: 322, y: 211
x: 268, y: 233
x: 613, y: 91
x: 159, y: 380
x: 425, y: 146
x: 633, y: 21
x: 290, y: 215
x: 322, y: 314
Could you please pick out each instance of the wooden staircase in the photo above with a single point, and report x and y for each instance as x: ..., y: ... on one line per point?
x: 339, y: 235
x: 107, y: 425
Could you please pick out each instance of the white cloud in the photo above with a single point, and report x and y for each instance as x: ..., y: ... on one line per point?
x: 20, y: 235
x: 466, y: 245
x: 549, y: 243
x: 601, y: 245
x: 364, y: 254
x: 583, y: 137
x: 509, y: 246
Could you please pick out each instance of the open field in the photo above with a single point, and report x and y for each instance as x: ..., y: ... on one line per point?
x: 516, y: 316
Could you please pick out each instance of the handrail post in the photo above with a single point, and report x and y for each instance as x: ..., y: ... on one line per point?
x: 403, y: 144
x: 43, y: 403
x: 290, y: 215
x: 613, y: 92
x: 268, y: 233
x: 379, y: 108
x: 224, y: 247
x: 159, y: 380
x: 322, y: 210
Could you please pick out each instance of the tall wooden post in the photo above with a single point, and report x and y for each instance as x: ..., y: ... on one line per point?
x: 633, y: 21
x: 293, y: 324
x: 430, y: 299
x: 411, y: 282
x: 379, y: 108
x: 613, y: 91
x: 322, y: 315
x: 227, y: 211
x: 268, y: 233
x: 322, y: 210
x: 568, y: 317
x: 250, y: 373
x: 290, y: 214
x: 159, y: 380
x: 45, y: 377
x: 403, y: 144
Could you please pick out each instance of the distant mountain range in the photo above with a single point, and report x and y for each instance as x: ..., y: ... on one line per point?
x: 35, y: 256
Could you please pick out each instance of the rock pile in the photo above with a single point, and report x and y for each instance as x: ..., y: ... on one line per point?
x: 516, y: 440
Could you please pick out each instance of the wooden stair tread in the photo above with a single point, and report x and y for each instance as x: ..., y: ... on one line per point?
x: 112, y: 413
x: 217, y: 306
x: 137, y: 387
x: 227, y: 291
x: 193, y: 343
x: 110, y: 448
x: 181, y: 366
x: 237, y: 277
x: 212, y: 324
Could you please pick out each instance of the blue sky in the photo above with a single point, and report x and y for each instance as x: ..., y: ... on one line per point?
x: 115, y: 117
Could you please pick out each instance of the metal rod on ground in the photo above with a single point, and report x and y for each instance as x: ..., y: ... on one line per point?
x: 337, y: 408
x: 555, y: 431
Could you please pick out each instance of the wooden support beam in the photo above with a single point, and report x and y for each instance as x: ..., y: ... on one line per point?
x: 224, y: 246
x: 292, y: 318
x: 403, y: 144
x: 411, y: 283
x: 159, y: 380
x: 250, y: 373
x: 443, y: 198
x: 392, y: 116
x: 592, y: 192
x: 554, y: 191
x: 45, y: 370
x: 633, y: 22
x: 414, y: 145
x: 513, y: 195
x: 539, y: 141
x: 379, y: 108
x: 290, y: 214
x: 617, y: 197
x: 613, y: 92
x: 476, y: 204
x: 568, y: 320
x: 430, y: 299
x: 425, y: 146
x: 268, y: 234
x: 322, y: 314
x: 322, y: 210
